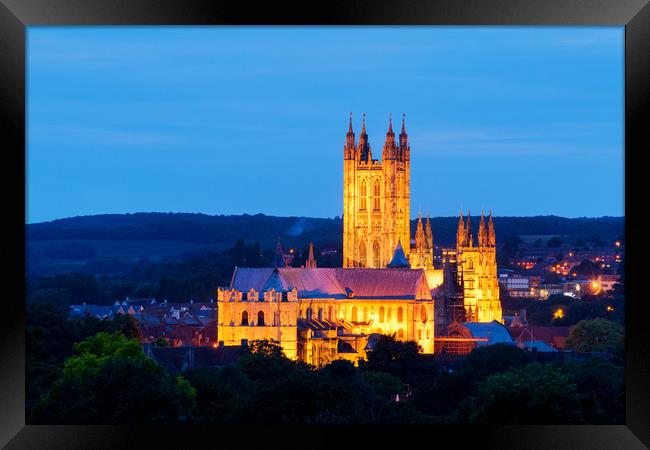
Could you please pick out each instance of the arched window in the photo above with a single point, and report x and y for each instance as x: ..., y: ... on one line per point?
x: 365, y: 314
x: 423, y: 313
x: 388, y: 314
x: 376, y: 196
x: 309, y: 313
x: 329, y: 313
x: 260, y: 319
x: 355, y: 317
x: 276, y: 319
x: 362, y: 254
x: 400, y: 333
x: 376, y: 258
x: 381, y: 315
x: 244, y: 318
x: 364, y: 194
x: 320, y: 314
x: 400, y: 315
x: 470, y: 264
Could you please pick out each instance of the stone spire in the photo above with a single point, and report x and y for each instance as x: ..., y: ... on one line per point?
x: 460, y: 233
x: 469, y: 239
x: 279, y: 260
x: 420, y: 242
x: 404, y: 147
x: 482, y: 232
x: 350, y: 144
x: 491, y: 236
x: 311, y: 261
x: 390, y: 149
x: 428, y: 234
x: 365, y: 152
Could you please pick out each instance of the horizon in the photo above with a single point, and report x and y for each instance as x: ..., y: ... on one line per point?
x: 526, y: 121
x: 315, y: 217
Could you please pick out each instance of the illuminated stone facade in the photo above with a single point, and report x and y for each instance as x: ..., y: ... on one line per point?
x: 478, y: 268
x: 322, y: 314
x: 385, y: 286
x: 376, y: 199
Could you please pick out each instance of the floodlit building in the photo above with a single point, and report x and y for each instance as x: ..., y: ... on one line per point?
x: 323, y: 314
x: 388, y: 283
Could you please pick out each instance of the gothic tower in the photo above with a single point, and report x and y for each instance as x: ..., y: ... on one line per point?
x: 376, y: 198
x: 478, y: 267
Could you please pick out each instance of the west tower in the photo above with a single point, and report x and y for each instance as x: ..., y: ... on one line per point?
x: 477, y: 265
x: 376, y: 198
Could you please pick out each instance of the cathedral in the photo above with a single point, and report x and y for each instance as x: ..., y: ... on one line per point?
x: 388, y: 283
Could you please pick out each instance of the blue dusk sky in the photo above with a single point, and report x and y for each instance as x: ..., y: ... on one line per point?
x: 231, y: 120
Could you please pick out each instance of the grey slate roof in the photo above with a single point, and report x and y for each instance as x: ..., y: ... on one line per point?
x: 332, y: 283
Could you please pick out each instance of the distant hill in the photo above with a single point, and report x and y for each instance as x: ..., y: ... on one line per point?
x: 113, y: 242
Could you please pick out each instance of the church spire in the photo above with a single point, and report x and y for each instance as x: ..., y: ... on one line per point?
x: 482, y: 232
x: 390, y: 150
x: 404, y: 147
x: 279, y: 260
x: 428, y: 234
x: 460, y: 234
x: 491, y: 236
x: 364, y: 146
x: 419, y: 233
x: 311, y: 261
x: 349, y: 148
x: 468, y: 236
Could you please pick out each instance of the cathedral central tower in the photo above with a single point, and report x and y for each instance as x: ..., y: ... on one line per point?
x: 376, y: 198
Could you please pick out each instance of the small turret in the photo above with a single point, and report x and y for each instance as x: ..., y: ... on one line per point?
x: 365, y: 153
x: 349, y: 148
x: 311, y: 261
x: 460, y: 233
x: 390, y: 149
x: 428, y: 234
x: 491, y: 236
x: 404, y: 147
x: 482, y: 232
x: 419, y: 235
x: 279, y: 259
x: 469, y: 239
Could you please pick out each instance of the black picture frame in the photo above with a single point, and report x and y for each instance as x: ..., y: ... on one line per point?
x: 16, y: 15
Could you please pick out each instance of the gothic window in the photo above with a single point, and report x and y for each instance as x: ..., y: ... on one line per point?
x: 260, y: 319
x: 364, y: 194
x: 244, y: 318
x: 309, y: 313
x: 329, y: 313
x: 400, y: 333
x: 362, y: 254
x: 276, y: 319
x: 381, y: 315
x: 400, y: 315
x: 376, y: 196
x: 365, y: 314
x: 376, y: 254
x: 354, y: 317
x: 419, y: 334
x: 320, y: 314
x: 423, y: 313
x: 388, y: 314
x: 470, y: 264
